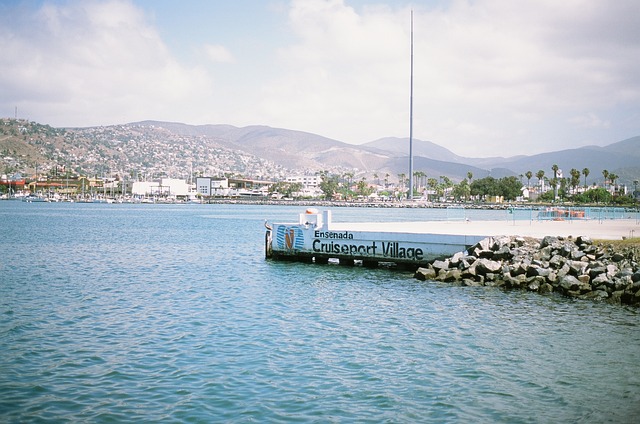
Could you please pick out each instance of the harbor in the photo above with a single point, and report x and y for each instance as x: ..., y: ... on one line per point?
x: 138, y: 301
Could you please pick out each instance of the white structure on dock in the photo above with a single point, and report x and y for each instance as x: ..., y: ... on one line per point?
x: 164, y: 187
x: 314, y: 238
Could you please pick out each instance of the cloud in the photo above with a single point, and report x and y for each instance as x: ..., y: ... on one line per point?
x: 88, y: 63
x: 217, y: 53
x: 490, y: 76
x: 590, y: 120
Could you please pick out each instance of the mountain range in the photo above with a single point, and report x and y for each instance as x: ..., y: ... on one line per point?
x: 297, y: 150
x: 265, y: 152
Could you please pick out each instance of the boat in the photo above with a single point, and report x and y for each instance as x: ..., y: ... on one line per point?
x: 32, y: 198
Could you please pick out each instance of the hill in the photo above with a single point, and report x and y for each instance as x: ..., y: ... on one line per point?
x: 154, y: 148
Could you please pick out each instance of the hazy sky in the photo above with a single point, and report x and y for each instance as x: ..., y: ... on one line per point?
x: 491, y: 77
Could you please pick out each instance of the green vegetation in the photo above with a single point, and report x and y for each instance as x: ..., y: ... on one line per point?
x: 509, y: 188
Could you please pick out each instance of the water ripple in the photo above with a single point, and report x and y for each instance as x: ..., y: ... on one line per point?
x: 177, y: 317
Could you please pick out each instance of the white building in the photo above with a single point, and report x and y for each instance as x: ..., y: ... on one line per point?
x: 307, y: 181
x: 169, y: 187
x: 211, y: 186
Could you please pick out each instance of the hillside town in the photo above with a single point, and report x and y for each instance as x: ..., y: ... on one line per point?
x: 148, y: 163
x: 205, y: 189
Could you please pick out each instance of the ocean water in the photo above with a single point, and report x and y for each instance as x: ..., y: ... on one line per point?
x: 140, y: 313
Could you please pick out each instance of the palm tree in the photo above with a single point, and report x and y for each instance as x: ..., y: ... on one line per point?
x: 605, y: 174
x: 528, y: 174
x: 555, y: 169
x: 613, y: 178
x: 401, y: 178
x: 575, y: 179
x: 585, y: 172
x: 540, y: 176
x: 469, y: 176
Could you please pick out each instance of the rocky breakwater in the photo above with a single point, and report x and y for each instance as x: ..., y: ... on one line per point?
x: 574, y: 267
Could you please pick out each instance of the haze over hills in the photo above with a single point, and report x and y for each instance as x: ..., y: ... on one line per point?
x: 292, y: 149
x: 178, y: 149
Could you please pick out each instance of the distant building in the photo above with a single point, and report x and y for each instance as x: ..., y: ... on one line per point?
x: 212, y: 186
x: 307, y: 181
x: 168, y: 187
x: 231, y: 187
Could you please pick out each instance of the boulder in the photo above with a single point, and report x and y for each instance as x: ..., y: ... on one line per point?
x: 503, y: 253
x: 584, y: 240
x: 484, y: 266
x: 438, y: 265
x: 556, y: 261
x: 570, y: 283
x: 548, y: 241
x: 425, y: 274
x: 577, y: 268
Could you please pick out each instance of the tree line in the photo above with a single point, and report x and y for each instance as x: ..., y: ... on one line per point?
x: 559, y: 188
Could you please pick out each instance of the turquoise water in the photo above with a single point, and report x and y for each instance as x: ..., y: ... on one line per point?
x: 171, y: 313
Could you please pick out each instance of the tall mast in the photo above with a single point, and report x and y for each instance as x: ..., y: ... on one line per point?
x: 410, y: 196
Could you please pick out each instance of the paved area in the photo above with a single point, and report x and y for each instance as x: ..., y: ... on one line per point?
x: 596, y: 229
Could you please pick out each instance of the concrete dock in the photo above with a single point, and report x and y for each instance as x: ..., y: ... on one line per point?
x: 612, y: 229
x: 317, y: 238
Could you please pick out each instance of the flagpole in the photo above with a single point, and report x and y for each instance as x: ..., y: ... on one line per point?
x: 410, y: 196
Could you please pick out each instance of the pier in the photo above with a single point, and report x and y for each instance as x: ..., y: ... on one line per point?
x: 316, y: 238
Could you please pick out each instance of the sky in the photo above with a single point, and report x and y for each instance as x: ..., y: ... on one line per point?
x: 491, y: 77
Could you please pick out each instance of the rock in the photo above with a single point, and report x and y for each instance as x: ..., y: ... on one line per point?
x: 556, y: 261
x: 503, y: 253
x: 548, y: 241
x: 514, y: 282
x: 438, y: 265
x: 584, y: 278
x: 570, y: 283
x: 487, y: 254
x: 545, y: 288
x: 452, y: 275
x: 577, y: 255
x: 425, y: 274
x: 535, y: 283
x: 596, y: 295
x: 456, y: 259
x: 442, y: 274
x: 484, y: 266
x: 594, y: 272
x: 601, y: 279
x: 625, y: 272
x: 617, y: 257
x: 564, y: 270
x: 565, y: 251
x: 584, y: 240
x: 577, y: 269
